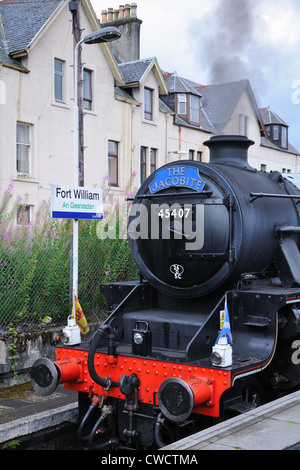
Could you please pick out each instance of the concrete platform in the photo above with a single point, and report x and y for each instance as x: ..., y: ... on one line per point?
x: 27, y: 413
x: 274, y: 426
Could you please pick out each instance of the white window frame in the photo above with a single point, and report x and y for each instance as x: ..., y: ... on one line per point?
x: 182, y: 103
x: 27, y: 146
x: 25, y: 208
x: 61, y: 75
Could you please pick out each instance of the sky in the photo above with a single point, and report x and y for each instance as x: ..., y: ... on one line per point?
x: 218, y: 41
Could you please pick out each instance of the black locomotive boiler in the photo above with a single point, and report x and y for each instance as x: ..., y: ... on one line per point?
x: 210, y: 240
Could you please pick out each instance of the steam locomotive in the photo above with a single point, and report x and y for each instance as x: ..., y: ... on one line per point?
x: 212, y: 328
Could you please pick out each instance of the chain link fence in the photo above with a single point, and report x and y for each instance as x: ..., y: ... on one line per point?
x: 36, y: 262
x: 36, y: 277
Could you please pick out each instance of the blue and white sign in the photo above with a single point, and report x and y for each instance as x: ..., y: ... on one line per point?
x: 76, y: 202
x: 177, y: 176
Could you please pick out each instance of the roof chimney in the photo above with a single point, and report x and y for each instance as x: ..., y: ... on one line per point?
x: 127, y: 48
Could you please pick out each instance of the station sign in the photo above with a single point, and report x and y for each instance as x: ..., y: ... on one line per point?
x: 76, y: 202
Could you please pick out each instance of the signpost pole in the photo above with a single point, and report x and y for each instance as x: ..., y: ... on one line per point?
x: 76, y: 171
x: 100, y: 36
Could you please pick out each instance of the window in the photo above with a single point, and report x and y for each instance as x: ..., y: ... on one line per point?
x: 240, y: 124
x: 23, y: 148
x: 87, y: 89
x: 195, y: 109
x: 199, y: 157
x: 24, y: 215
x: 195, y: 155
x: 113, y: 162
x: 275, y: 132
x: 182, y: 104
x: 143, y: 166
x: 243, y: 125
x: 153, y: 153
x: 188, y: 106
x: 191, y: 154
x: 284, y: 140
x: 246, y: 124
x: 278, y: 134
x: 58, y: 80
x: 148, y: 104
x: 148, y: 162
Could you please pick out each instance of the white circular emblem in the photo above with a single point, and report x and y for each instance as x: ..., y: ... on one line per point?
x: 177, y: 270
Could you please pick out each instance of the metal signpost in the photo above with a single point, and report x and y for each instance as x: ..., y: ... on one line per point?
x: 78, y: 202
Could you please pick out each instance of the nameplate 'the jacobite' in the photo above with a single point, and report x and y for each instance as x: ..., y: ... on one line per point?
x: 177, y: 176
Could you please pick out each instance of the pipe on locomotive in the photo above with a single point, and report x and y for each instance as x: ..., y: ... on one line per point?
x: 98, y: 336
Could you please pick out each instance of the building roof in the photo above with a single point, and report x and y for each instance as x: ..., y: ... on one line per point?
x: 220, y: 100
x: 269, y: 117
x: 266, y: 142
x: 5, y: 58
x: 177, y: 84
x: 23, y: 19
x: 122, y: 95
x: 135, y: 72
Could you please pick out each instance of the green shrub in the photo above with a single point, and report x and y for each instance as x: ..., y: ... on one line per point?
x: 36, y: 265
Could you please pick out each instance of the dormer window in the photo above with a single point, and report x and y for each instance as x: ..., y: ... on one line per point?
x: 188, y: 107
x: 277, y: 130
x: 278, y: 134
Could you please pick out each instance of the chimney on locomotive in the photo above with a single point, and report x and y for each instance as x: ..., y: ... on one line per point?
x: 229, y: 149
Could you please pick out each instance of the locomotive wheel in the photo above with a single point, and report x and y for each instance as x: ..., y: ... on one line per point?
x: 245, y: 396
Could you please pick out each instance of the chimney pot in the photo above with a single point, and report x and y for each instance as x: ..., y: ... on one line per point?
x: 127, y: 10
x: 110, y: 12
x: 104, y: 16
x: 133, y: 10
x: 116, y: 15
x: 121, y: 12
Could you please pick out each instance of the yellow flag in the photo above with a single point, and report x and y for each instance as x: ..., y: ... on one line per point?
x: 80, y: 317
